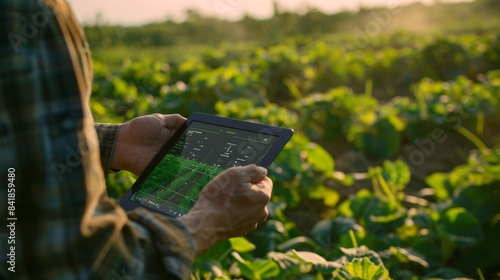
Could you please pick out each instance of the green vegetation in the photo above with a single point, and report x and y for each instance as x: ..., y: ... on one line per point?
x: 175, y: 42
x: 394, y: 169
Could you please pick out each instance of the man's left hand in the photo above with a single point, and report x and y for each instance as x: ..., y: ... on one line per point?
x: 140, y: 139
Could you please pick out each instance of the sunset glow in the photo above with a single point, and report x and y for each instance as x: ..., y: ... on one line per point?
x: 140, y: 12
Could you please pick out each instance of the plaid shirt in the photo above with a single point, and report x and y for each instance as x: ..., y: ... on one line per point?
x: 63, y: 224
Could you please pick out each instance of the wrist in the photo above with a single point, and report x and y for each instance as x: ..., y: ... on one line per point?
x: 204, y: 233
x: 117, y: 162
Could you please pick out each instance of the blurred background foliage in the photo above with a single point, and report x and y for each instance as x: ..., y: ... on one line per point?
x: 394, y: 170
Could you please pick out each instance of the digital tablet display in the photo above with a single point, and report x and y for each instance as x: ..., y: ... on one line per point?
x: 201, y: 151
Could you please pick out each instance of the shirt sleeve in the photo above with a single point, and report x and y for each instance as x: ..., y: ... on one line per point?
x: 65, y: 226
x: 106, y: 133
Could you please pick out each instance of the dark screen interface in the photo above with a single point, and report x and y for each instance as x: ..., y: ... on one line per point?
x: 200, y: 154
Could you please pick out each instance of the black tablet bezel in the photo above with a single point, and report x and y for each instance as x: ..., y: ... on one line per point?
x: 283, y: 134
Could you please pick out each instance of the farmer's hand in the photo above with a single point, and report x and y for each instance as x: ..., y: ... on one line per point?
x: 140, y: 139
x: 231, y: 205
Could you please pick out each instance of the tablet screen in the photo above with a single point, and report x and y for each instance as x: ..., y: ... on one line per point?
x: 198, y: 155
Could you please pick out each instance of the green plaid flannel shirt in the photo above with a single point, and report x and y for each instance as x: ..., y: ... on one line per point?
x: 66, y: 227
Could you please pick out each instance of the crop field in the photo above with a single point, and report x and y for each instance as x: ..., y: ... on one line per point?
x: 394, y: 169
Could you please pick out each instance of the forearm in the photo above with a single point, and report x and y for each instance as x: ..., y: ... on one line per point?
x: 164, y: 240
x: 204, y: 235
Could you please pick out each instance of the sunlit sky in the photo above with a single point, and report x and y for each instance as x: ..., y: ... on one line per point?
x: 143, y: 11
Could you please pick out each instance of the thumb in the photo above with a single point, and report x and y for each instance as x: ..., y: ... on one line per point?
x: 246, y: 174
x: 173, y: 121
x: 253, y: 173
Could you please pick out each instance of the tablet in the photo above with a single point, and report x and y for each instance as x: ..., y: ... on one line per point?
x: 202, y: 148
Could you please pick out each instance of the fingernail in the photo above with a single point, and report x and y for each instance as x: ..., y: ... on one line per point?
x: 262, y: 170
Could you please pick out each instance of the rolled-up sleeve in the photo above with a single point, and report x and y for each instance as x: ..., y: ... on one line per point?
x: 106, y: 133
x: 66, y: 226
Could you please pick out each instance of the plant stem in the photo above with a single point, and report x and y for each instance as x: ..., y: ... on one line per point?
x: 480, y: 124
x: 353, y: 239
x: 369, y: 88
x: 293, y: 88
x: 385, y: 187
x: 473, y: 138
x: 481, y: 276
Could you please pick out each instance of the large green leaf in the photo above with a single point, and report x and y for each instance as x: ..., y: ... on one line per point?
x: 361, y: 269
x: 218, y: 252
x: 294, y: 265
x: 396, y: 174
x: 256, y: 269
x: 481, y: 201
x: 440, y: 183
x: 326, y: 231
x: 361, y: 252
x: 268, y: 237
x: 321, y: 264
x: 330, y: 197
x: 298, y: 242
x: 380, y: 141
x: 461, y: 227
x: 211, y: 261
x: 408, y: 255
x: 379, y: 216
x: 241, y: 244
x: 483, y: 255
x: 319, y: 159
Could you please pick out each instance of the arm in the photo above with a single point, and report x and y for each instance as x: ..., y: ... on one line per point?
x: 66, y: 226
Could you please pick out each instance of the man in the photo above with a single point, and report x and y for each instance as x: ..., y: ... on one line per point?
x: 63, y: 224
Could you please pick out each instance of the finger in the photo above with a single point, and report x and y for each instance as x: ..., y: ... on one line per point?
x: 243, y: 230
x: 265, y: 186
x: 253, y: 173
x: 262, y: 217
x: 242, y: 175
x: 173, y: 121
x: 261, y: 194
x: 220, y: 182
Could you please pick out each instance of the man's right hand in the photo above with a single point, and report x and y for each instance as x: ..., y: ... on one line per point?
x: 231, y: 205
